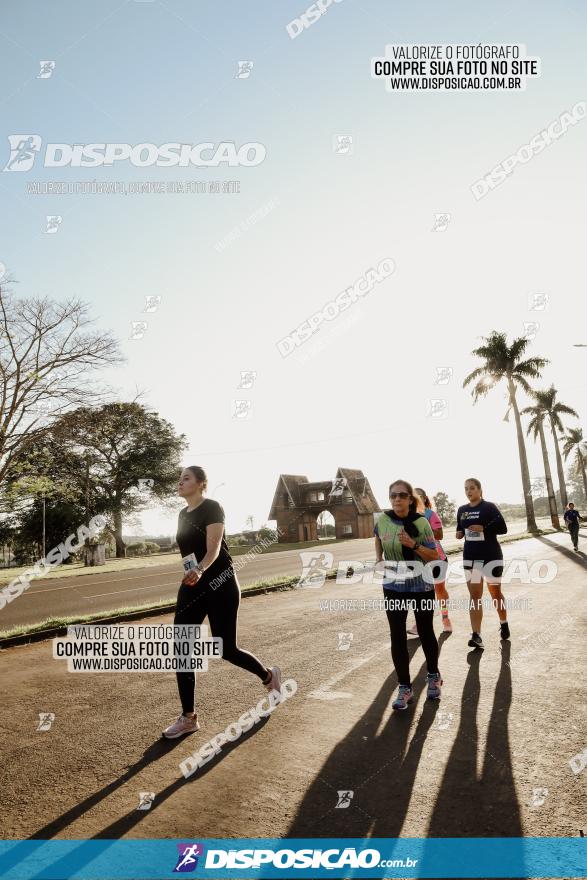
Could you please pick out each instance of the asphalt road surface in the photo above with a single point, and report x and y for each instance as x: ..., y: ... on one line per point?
x: 493, y: 758
x: 74, y: 596
x: 67, y: 597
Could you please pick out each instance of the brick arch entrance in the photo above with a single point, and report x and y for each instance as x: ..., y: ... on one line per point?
x: 348, y: 498
x: 326, y: 525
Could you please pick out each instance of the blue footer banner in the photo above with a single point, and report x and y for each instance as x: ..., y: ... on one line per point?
x: 512, y: 857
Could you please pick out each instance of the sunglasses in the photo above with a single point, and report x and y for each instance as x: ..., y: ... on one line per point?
x: 402, y: 495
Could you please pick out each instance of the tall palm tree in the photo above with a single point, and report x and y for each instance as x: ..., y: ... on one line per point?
x: 573, y: 441
x: 503, y: 363
x: 555, y: 410
x: 536, y: 428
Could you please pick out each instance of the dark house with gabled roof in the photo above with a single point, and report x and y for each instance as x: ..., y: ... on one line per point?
x: 297, y: 503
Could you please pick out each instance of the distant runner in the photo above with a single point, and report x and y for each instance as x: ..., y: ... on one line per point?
x: 572, y: 518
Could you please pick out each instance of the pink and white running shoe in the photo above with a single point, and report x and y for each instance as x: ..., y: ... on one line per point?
x: 182, y: 726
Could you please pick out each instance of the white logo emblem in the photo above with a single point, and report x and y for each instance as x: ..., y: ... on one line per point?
x: 342, y: 144
x: 23, y: 151
x: 47, y: 68
x: 152, y: 303
x: 441, y: 222
x: 314, y: 568
x: 146, y: 799
x: 244, y: 69
x: 46, y: 719
x: 344, y: 799
x: 247, y: 379
x: 344, y: 641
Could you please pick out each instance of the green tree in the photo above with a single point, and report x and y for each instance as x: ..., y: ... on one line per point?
x: 39, y: 481
x: 505, y: 363
x: 128, y: 456
x: 576, y: 485
x: 555, y: 410
x: 536, y: 428
x: 445, y: 508
x: 573, y: 441
x: 62, y: 518
x: 265, y: 533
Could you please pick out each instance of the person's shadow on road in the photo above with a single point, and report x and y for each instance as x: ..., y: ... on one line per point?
x: 376, y: 764
x: 485, y: 804
x: 579, y: 557
x: 159, y: 749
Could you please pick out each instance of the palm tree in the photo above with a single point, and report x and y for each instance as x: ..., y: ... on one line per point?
x: 573, y: 440
x: 503, y: 363
x: 555, y: 410
x: 536, y: 428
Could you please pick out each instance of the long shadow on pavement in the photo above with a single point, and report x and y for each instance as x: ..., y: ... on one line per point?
x: 126, y: 823
x: 377, y: 765
x: 576, y: 556
x: 484, y: 805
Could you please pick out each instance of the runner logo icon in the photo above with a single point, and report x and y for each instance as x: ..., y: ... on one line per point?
x: 189, y: 853
x: 23, y: 151
x: 315, y: 567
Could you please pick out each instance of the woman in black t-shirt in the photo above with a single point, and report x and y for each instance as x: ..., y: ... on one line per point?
x: 209, y: 588
x: 479, y: 522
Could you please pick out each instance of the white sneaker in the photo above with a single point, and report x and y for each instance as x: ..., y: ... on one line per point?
x: 274, y: 683
x: 182, y: 726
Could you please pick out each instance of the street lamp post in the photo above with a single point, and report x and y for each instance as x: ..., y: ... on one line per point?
x: 43, y: 525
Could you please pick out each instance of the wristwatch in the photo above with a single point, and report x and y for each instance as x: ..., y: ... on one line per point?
x: 199, y: 568
x: 415, y: 547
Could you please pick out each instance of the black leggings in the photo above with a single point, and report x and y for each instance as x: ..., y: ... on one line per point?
x: 399, y: 640
x: 221, y: 608
x: 574, y: 530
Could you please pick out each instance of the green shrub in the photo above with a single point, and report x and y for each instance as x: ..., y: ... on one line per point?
x: 137, y: 549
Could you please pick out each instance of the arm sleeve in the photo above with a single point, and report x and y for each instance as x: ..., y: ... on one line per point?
x: 214, y: 514
x: 496, y: 524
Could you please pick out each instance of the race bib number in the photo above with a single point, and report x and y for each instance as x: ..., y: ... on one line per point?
x: 189, y: 562
x: 398, y: 571
x: 473, y: 536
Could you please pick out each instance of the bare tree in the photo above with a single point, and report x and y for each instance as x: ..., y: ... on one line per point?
x: 49, y: 352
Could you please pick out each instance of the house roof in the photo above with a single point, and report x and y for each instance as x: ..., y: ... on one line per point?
x: 297, y: 486
x: 359, y: 487
x: 289, y: 482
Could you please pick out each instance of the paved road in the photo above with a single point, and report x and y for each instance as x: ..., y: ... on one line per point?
x: 94, y: 592
x: 492, y: 759
x: 71, y: 596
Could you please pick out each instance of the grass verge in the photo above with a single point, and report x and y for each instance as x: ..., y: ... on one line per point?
x: 78, y: 569
x: 51, y: 623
